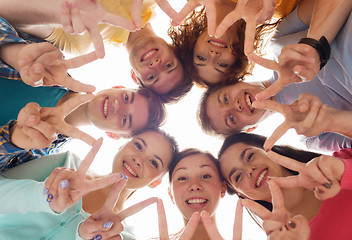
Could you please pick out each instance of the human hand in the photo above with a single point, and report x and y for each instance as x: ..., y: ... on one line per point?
x: 105, y: 223
x: 253, y: 12
x: 210, y: 12
x: 64, y: 187
x: 321, y: 174
x: 296, y: 63
x: 42, y: 64
x: 80, y: 15
x: 37, y: 127
x: 307, y: 115
x: 279, y: 223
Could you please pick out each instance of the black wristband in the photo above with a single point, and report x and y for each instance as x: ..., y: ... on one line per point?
x: 322, y: 46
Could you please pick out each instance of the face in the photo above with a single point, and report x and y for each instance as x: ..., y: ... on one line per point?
x: 246, y: 169
x: 297, y: 228
x: 230, y: 108
x: 144, y: 159
x: 120, y: 111
x: 212, y: 57
x: 196, y: 185
x: 155, y: 64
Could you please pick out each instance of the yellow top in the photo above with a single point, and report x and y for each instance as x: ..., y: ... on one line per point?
x: 283, y: 7
x: 79, y: 44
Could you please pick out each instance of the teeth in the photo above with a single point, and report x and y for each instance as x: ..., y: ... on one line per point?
x: 217, y: 44
x: 130, y: 169
x: 148, y: 54
x: 249, y: 102
x: 260, y: 178
x: 106, y: 107
x: 196, y: 201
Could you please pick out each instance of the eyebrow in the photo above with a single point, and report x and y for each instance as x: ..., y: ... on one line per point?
x: 130, y: 115
x: 156, y: 156
x: 218, y: 70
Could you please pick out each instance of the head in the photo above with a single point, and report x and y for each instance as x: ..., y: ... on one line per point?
x: 210, y: 60
x: 245, y: 165
x: 195, y: 182
x: 125, y: 111
x: 155, y: 64
x: 146, y: 158
x: 226, y: 109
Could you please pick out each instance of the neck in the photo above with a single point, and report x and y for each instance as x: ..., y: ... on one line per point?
x: 147, y: 30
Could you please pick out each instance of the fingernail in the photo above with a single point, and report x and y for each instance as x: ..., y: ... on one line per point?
x: 97, y: 237
x: 319, y: 190
x: 49, y: 198
x: 64, y: 184
x: 330, y: 182
x: 125, y: 177
x: 45, y: 191
x: 327, y: 185
x: 37, y: 70
x: 291, y: 224
x: 108, y: 225
x: 268, y: 179
x: 121, y: 174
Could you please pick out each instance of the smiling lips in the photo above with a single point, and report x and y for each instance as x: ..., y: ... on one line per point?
x: 249, y: 102
x: 105, y: 107
x: 260, y: 177
x: 217, y: 43
x: 129, y: 170
x: 148, y: 55
x: 197, y: 202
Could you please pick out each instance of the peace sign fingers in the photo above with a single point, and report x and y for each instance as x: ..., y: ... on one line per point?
x: 237, y: 226
x: 163, y: 232
x: 191, y: 226
x: 210, y: 226
x: 228, y: 20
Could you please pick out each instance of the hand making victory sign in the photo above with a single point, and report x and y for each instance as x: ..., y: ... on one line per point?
x: 307, y: 115
x: 321, y: 174
x: 296, y: 63
x: 279, y: 223
x: 37, y: 127
x: 66, y: 186
x: 253, y: 12
x: 42, y: 64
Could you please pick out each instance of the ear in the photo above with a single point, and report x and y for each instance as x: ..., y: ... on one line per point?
x: 155, y: 183
x: 118, y: 87
x: 223, y: 189
x: 113, y: 135
x: 134, y: 77
x: 170, y: 195
x: 250, y: 129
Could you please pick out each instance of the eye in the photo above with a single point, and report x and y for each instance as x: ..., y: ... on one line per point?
x: 138, y: 146
x: 124, y: 120
x: 154, y: 163
x: 181, y: 179
x: 150, y: 77
x: 226, y: 99
x: 232, y: 119
x: 169, y: 65
x: 201, y: 58
x: 238, y: 177
x: 224, y: 65
x: 206, y: 176
x: 250, y: 157
x: 126, y: 98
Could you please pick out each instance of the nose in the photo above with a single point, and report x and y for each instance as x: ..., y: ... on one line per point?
x: 250, y: 171
x: 195, y: 187
x: 138, y: 161
x: 213, y: 52
x: 155, y: 63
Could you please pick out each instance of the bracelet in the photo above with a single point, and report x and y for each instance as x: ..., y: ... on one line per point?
x: 322, y: 46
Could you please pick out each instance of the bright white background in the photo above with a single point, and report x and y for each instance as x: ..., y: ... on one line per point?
x: 181, y: 123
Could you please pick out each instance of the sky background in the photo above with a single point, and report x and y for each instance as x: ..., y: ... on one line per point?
x: 181, y: 123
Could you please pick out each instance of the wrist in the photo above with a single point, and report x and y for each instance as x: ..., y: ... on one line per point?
x: 322, y: 47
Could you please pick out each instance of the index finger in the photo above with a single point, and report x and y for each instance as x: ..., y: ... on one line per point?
x: 285, y: 161
x: 136, y: 208
x: 276, y: 195
x: 210, y: 226
x: 83, y: 168
x: 270, y: 91
x: 114, y: 194
x: 163, y: 232
x: 77, y: 86
x: 97, y: 40
x: 267, y: 63
x: 258, y: 209
x: 75, y: 133
x: 166, y: 7
x: 276, y: 135
x: 211, y: 17
x: 189, y: 6
x: 191, y: 226
x: 80, y: 60
x: 73, y: 103
x: 269, y: 104
x: 237, y: 225
x: 228, y: 20
x: 249, y: 36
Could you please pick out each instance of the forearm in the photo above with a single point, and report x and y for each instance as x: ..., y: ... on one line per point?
x: 328, y: 18
x: 22, y: 12
x: 9, y: 54
x: 340, y: 121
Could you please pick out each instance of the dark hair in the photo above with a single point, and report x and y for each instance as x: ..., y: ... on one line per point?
x: 258, y: 141
x: 189, y: 152
x: 203, y: 118
x: 156, y: 109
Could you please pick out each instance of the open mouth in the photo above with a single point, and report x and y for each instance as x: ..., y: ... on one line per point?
x: 148, y: 55
x: 249, y: 102
x: 105, y: 107
x: 262, y: 176
x: 197, y: 203
x: 217, y: 43
x: 129, y: 170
